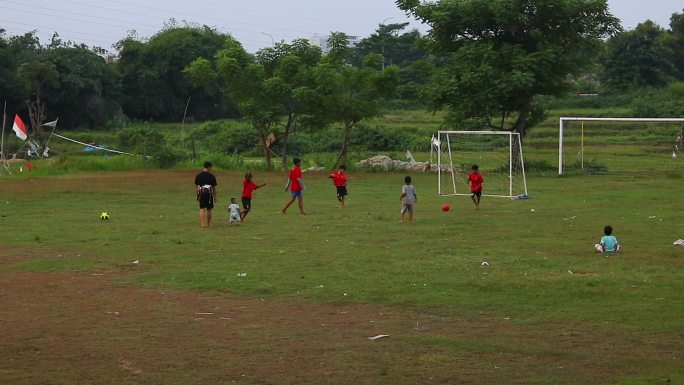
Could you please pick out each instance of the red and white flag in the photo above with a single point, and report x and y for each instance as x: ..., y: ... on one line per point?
x: 20, y: 128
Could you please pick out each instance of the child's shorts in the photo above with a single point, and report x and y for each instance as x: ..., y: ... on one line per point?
x: 235, y: 217
x: 599, y: 248
x: 341, y: 191
x: 406, y: 209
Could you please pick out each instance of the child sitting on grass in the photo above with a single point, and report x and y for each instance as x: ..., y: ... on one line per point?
x: 608, y: 244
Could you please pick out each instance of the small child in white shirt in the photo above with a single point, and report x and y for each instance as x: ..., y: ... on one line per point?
x: 234, y: 212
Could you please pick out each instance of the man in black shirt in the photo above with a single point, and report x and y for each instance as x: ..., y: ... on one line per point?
x: 205, y: 184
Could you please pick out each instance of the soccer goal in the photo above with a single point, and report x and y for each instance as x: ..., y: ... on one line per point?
x: 620, y: 145
x: 498, y: 155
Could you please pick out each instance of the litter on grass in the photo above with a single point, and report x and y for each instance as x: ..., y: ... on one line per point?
x: 678, y: 242
x: 242, y: 274
x: 485, y: 263
x: 379, y: 336
x: 137, y: 261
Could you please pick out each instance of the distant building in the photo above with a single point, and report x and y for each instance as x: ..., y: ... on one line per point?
x: 322, y: 41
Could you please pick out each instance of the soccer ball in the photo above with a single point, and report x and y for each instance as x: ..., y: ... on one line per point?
x: 445, y: 207
x: 104, y: 215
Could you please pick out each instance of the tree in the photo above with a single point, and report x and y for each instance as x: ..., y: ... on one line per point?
x: 638, y: 58
x: 154, y: 86
x: 290, y: 82
x: 503, y: 53
x: 351, y: 94
x: 675, y: 41
x: 89, y: 91
x: 37, y: 76
x: 273, y: 90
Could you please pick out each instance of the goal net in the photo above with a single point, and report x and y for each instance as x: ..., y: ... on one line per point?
x: 620, y: 145
x: 498, y: 155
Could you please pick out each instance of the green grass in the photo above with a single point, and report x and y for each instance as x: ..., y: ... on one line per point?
x: 543, y: 271
x: 362, y: 251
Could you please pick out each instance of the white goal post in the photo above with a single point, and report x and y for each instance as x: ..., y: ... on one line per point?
x: 497, y: 153
x: 564, y: 119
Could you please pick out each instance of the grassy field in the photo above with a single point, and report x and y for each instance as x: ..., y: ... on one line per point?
x: 545, y: 310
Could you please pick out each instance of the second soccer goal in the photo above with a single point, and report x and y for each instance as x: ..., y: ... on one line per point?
x: 498, y: 154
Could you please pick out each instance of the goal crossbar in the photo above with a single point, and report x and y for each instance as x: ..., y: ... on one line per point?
x: 564, y: 119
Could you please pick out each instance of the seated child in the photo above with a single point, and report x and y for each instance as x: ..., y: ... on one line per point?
x: 609, y: 244
x: 234, y: 212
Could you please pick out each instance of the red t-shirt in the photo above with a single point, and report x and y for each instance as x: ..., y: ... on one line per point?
x: 247, y: 187
x: 295, y: 173
x: 339, y: 179
x: 476, y: 180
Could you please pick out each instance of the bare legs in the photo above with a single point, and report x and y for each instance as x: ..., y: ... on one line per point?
x: 291, y: 201
x: 476, y: 200
x: 205, y: 217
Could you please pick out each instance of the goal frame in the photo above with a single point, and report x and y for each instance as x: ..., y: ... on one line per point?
x: 587, y: 119
x: 513, y: 138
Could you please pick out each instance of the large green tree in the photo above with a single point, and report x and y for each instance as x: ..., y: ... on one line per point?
x: 638, y: 58
x: 89, y: 92
x: 675, y: 41
x: 503, y: 53
x: 351, y: 94
x: 273, y: 90
x: 152, y: 72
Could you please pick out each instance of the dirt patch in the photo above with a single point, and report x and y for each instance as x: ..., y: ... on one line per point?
x: 92, y: 328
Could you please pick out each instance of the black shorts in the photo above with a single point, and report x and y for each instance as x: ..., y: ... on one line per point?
x: 246, y: 203
x: 206, y: 200
x: 476, y: 194
x: 341, y: 191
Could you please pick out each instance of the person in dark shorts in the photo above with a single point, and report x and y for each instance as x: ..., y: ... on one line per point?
x: 340, y: 182
x: 247, y: 188
x: 205, y: 189
x: 475, y: 180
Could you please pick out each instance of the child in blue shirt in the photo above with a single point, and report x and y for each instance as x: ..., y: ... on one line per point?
x: 608, y: 244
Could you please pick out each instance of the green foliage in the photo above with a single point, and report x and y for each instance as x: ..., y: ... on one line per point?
x: 149, y: 143
x: 638, y: 58
x: 225, y: 137
x: 154, y: 85
x: 667, y: 102
x: 504, y: 53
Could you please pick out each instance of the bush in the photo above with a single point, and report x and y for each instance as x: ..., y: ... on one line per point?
x: 665, y: 102
x: 226, y: 137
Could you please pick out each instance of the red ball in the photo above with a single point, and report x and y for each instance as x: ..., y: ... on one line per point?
x: 445, y: 207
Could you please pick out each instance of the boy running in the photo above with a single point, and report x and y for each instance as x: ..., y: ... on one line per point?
x: 340, y: 182
x: 247, y: 188
x: 296, y: 186
x: 475, y: 180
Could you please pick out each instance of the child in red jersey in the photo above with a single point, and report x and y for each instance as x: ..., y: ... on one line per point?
x: 247, y: 188
x: 475, y: 180
x: 340, y: 182
x: 296, y: 186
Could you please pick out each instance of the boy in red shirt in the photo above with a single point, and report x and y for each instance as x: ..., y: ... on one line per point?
x: 475, y: 180
x: 295, y: 184
x: 247, y: 188
x: 340, y: 182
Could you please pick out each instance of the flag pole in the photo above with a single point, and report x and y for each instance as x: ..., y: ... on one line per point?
x: 2, y: 142
x: 54, y: 126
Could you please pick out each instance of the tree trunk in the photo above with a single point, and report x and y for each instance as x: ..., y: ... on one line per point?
x: 520, y: 127
x: 342, y: 158
x: 291, y: 120
x: 285, y: 137
x: 267, y: 154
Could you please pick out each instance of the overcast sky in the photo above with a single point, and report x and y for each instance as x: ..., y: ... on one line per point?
x: 103, y: 22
